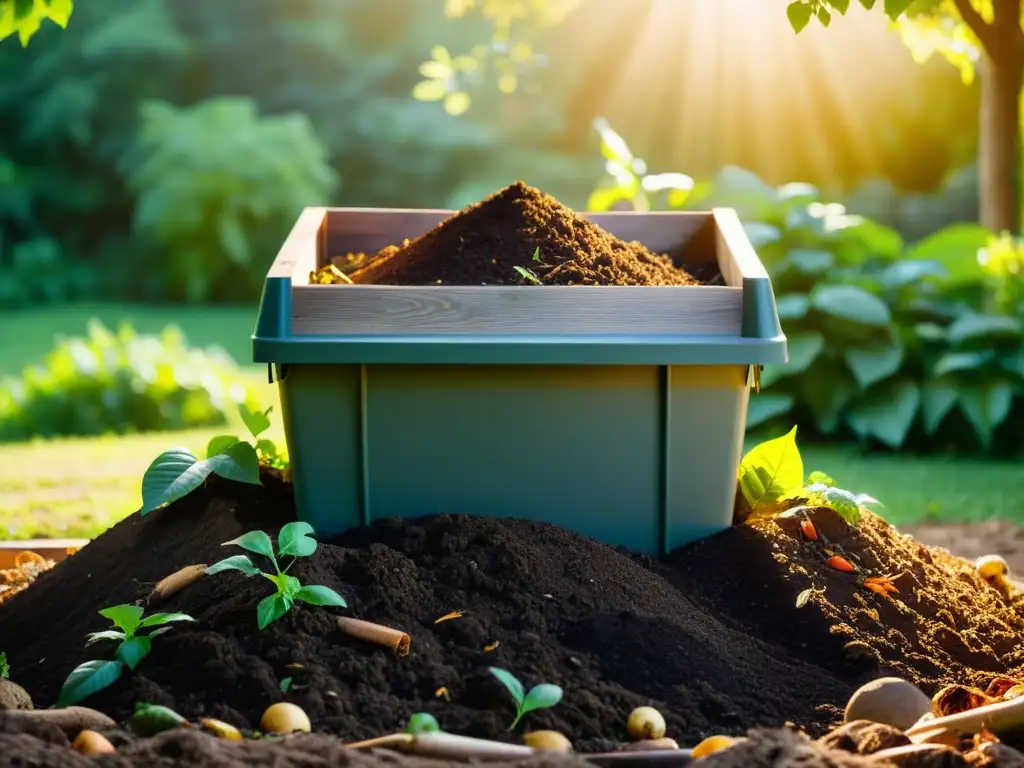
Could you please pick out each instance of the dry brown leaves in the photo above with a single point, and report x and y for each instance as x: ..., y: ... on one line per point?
x: 27, y: 567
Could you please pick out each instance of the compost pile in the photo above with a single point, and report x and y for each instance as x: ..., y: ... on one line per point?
x: 520, y: 227
x: 711, y: 636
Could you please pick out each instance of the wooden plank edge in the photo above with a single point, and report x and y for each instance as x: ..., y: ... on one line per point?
x: 51, y: 549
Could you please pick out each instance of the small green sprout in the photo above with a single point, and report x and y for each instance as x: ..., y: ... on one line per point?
x: 294, y: 540
x: 528, y: 274
x: 540, y: 696
x: 5, y: 668
x: 93, y: 676
x: 536, y: 254
x: 422, y: 722
x: 286, y: 684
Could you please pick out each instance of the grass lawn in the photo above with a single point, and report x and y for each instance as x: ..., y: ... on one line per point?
x: 79, y: 487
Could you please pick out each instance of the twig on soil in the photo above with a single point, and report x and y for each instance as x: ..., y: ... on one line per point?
x: 176, y: 582
x: 395, y: 639
x: 394, y: 739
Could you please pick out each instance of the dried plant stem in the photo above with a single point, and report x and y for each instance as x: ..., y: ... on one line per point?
x: 395, y: 639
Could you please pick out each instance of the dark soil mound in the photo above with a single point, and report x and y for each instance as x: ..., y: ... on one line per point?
x: 563, y: 609
x: 520, y: 226
x: 945, y: 625
x: 711, y: 636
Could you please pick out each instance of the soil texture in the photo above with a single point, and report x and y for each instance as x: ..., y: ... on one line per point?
x: 712, y: 635
x: 520, y: 235
x: 944, y: 625
x: 972, y: 540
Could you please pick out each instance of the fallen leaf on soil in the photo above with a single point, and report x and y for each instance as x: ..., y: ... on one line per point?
x: 491, y: 646
x: 803, y: 597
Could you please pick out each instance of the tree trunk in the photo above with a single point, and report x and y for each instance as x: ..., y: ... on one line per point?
x: 997, y: 150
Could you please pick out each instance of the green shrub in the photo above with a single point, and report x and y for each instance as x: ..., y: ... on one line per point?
x: 914, y: 347
x: 218, y: 187
x: 121, y: 382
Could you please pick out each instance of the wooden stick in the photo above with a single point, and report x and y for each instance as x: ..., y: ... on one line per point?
x: 451, y: 746
x: 395, y: 739
x: 999, y: 718
x: 176, y: 582
x: 395, y: 639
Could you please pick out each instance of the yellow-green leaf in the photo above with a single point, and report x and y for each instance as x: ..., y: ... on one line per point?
x: 456, y: 103
x: 429, y: 90
x: 771, y: 470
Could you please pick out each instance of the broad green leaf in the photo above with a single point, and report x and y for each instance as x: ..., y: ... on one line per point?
x: 903, y: 273
x: 810, y: 262
x: 237, y: 563
x: 511, y: 683
x: 253, y: 541
x: 1013, y: 364
x: 887, y: 412
x: 872, y: 365
x: 270, y: 609
x: 256, y: 421
x: 868, y: 4
x: 761, y: 234
x: 930, y: 332
x: 799, y: 14
x: 839, y: 5
x: 879, y: 240
x: 767, y: 405
x: 239, y: 463
x: 824, y: 16
x: 827, y: 388
x: 267, y: 447
x: 771, y: 470
x: 219, y: 444
x: 986, y: 407
x: 836, y: 499
x: 296, y: 539
x: 542, y: 696
x: 960, y: 362
x: 803, y: 348
x: 131, y: 652
x: 893, y: 8
x: 124, y: 617
x: 429, y: 90
x: 172, y: 475
x: 157, y: 619
x: 938, y: 396
x: 108, y: 634
x: 976, y: 327
x: 317, y: 595
x: 820, y: 478
x: 955, y: 248
x: 86, y: 679
x: 852, y: 303
x: 793, y: 306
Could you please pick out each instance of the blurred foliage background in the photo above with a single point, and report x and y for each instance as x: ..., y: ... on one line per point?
x: 155, y: 152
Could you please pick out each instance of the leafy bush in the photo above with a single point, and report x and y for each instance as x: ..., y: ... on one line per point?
x: 905, y: 347
x: 218, y: 188
x: 120, y: 382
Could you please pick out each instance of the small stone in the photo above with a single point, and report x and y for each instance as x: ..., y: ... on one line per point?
x: 13, y: 696
x: 529, y: 637
x: 858, y: 650
x: 888, y: 700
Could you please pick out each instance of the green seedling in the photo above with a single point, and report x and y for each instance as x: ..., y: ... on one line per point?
x: 528, y: 274
x: 294, y: 540
x: 422, y: 722
x: 536, y: 254
x: 540, y: 696
x: 93, y: 676
x: 5, y: 668
x: 177, y: 472
x: 771, y: 480
x: 285, y: 685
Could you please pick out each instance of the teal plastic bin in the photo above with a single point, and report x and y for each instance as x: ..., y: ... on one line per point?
x: 616, y: 412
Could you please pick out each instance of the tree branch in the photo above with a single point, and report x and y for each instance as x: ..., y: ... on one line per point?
x: 985, y: 32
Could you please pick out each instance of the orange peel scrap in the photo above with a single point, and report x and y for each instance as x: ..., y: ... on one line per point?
x: 492, y: 646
